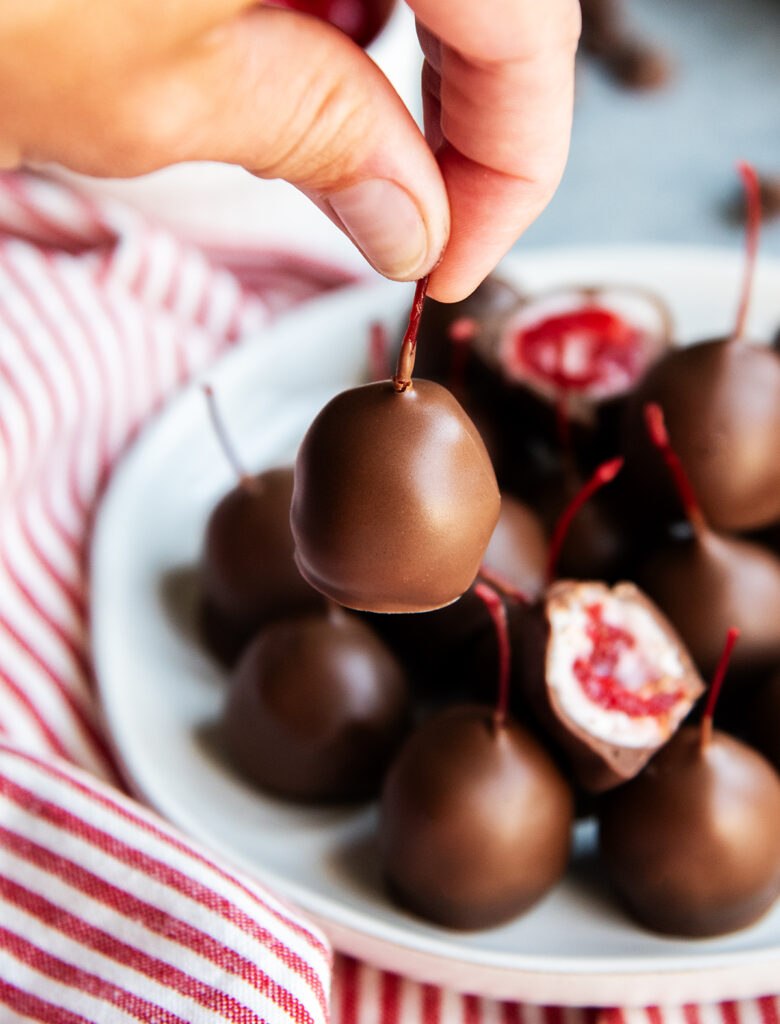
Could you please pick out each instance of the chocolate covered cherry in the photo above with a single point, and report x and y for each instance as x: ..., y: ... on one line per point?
x: 721, y: 400
x: 475, y: 817
x: 395, y: 498
x: 710, y: 581
x: 316, y: 707
x: 693, y: 843
x: 248, y: 570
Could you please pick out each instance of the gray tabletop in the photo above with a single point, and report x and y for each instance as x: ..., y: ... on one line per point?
x: 658, y: 166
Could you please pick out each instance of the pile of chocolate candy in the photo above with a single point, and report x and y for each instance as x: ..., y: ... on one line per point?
x: 483, y: 721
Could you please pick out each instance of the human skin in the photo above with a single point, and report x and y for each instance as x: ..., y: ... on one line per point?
x: 123, y: 87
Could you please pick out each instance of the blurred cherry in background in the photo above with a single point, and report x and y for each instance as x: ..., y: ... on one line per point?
x: 361, y: 20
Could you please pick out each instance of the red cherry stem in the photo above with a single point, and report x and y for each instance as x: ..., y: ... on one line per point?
x: 224, y: 441
x: 752, y: 188
x: 717, y: 682
x: 504, y: 586
x: 606, y: 471
x: 656, y: 428
x: 402, y: 380
x: 377, y: 342
x: 495, y: 606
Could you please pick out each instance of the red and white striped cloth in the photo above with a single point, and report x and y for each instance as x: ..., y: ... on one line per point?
x: 106, y: 912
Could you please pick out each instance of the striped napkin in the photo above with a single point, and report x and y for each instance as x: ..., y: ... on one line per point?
x: 107, y: 913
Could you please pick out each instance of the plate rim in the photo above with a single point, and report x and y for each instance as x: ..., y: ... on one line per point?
x: 500, y: 977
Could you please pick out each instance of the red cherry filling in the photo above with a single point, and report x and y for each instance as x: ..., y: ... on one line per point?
x: 588, y: 342
x: 614, y: 669
x: 599, y: 674
x: 589, y: 348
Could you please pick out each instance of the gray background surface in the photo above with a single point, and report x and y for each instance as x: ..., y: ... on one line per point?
x: 658, y: 166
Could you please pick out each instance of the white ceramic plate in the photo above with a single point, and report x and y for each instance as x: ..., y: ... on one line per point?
x: 162, y: 694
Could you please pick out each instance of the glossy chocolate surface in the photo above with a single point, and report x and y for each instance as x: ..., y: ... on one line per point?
x: 721, y: 403
x: 249, y: 573
x: 709, y: 583
x: 693, y: 844
x: 317, y: 706
x: 436, y: 647
x: 395, y: 499
x: 474, y: 822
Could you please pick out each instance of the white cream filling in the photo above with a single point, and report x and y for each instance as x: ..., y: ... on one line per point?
x: 652, y: 658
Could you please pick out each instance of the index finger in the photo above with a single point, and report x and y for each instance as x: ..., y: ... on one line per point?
x: 498, y: 91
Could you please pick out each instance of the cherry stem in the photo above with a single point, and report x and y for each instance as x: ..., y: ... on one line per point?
x: 502, y: 584
x: 717, y: 682
x: 402, y: 380
x: 495, y: 606
x: 461, y: 334
x: 377, y: 340
x: 656, y: 429
x: 224, y: 441
x: 606, y: 472
x: 752, y: 188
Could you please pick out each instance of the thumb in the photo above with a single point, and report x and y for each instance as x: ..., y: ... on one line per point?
x: 287, y: 96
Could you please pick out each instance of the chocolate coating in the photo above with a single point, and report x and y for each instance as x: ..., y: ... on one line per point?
x: 316, y: 708
x: 693, y: 844
x: 597, y: 763
x: 395, y: 499
x: 721, y: 403
x: 518, y: 548
x: 474, y: 821
x: 710, y: 583
x: 435, y: 647
x: 249, y: 573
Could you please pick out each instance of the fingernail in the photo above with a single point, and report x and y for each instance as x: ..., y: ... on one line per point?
x: 384, y: 222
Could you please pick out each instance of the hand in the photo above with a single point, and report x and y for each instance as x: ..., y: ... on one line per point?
x: 124, y: 87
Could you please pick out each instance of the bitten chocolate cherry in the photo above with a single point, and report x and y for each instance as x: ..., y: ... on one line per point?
x: 395, y: 498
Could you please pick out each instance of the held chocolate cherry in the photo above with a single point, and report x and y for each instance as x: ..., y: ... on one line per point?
x: 692, y: 844
x: 395, y: 498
